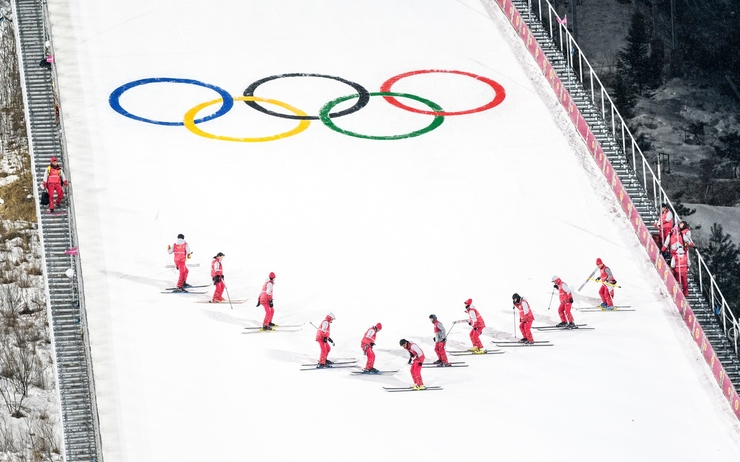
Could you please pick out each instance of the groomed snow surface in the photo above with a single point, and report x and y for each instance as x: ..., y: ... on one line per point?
x: 487, y: 204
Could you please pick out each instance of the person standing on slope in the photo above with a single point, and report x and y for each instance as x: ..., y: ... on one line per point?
x: 323, y: 337
x: 416, y: 359
x: 217, y: 274
x: 182, y: 252
x: 605, y: 292
x: 566, y: 303
x: 440, y: 339
x: 265, y: 300
x: 476, y: 322
x: 367, y: 344
x: 52, y: 182
x: 526, y: 318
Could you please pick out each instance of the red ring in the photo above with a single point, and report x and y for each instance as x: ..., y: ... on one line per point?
x: 498, y: 90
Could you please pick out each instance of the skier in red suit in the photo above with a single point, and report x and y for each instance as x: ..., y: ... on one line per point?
x: 182, y: 252
x: 367, y: 344
x: 666, y: 222
x: 53, y: 181
x: 416, y: 359
x: 605, y: 277
x: 265, y: 300
x: 323, y: 337
x: 526, y: 318
x: 440, y: 339
x: 217, y: 274
x: 566, y: 302
x: 477, y: 324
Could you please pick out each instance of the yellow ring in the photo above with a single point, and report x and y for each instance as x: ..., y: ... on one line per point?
x: 189, y: 120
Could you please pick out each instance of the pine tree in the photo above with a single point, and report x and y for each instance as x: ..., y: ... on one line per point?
x: 730, y: 150
x: 723, y: 260
x: 635, y: 58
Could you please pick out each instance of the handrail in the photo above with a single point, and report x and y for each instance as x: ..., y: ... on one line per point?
x: 640, y: 166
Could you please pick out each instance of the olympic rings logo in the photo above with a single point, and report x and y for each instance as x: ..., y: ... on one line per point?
x: 325, y: 115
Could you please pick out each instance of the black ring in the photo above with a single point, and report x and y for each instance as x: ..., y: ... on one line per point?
x: 364, y: 96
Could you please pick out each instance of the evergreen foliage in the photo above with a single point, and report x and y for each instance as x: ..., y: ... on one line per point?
x: 730, y: 150
x: 723, y: 260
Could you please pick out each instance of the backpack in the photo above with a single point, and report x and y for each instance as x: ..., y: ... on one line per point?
x: 44, y: 199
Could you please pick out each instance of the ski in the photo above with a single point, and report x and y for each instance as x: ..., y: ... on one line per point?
x: 470, y: 353
x: 184, y: 292
x: 565, y: 329
x: 189, y: 265
x: 373, y: 373
x: 556, y: 327
x: 599, y: 310
x: 506, y: 342
x: 188, y: 287
x: 332, y: 364
x: 396, y: 389
x: 280, y: 326
x: 225, y: 302
x: 260, y: 330
x: 517, y: 345
x: 451, y: 362
x: 442, y: 366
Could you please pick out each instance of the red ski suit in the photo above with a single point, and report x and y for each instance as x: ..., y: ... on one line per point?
x: 476, y: 321
x: 217, y: 269
x: 566, y: 301
x: 416, y: 359
x: 52, y: 182
x: 181, y: 250
x: 368, y: 340
x: 680, y: 264
x: 265, y: 299
x: 526, y: 318
x: 323, y: 334
x: 665, y: 224
x: 606, y: 293
x: 440, y: 339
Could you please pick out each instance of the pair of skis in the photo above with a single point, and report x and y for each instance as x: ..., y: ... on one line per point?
x: 280, y: 328
x: 537, y: 343
x: 556, y: 328
x: 472, y: 353
x: 598, y: 308
x: 185, y: 291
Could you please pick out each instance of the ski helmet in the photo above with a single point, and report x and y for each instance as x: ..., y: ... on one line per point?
x: 331, y: 315
x: 403, y: 342
x: 517, y: 298
x: 220, y: 254
x: 469, y: 301
x: 599, y: 262
x: 181, y: 236
x: 433, y: 317
x: 272, y: 275
x: 378, y: 326
x: 555, y: 278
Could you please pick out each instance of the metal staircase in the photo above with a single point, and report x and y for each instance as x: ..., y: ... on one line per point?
x: 591, y: 105
x: 73, y: 365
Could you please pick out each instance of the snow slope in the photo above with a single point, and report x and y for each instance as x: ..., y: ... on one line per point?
x: 487, y: 204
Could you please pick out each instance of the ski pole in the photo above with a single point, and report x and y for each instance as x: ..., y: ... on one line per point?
x: 551, y: 295
x: 588, y: 278
x: 227, y: 296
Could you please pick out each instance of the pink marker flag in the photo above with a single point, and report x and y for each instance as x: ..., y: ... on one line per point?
x: 72, y: 251
x: 564, y: 21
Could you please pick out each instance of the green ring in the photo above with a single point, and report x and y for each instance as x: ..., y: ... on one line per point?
x: 438, y: 119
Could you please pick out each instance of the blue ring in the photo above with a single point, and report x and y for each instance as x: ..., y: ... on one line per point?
x: 115, y: 97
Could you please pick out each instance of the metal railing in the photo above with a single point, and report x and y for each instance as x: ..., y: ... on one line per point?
x: 584, y: 73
